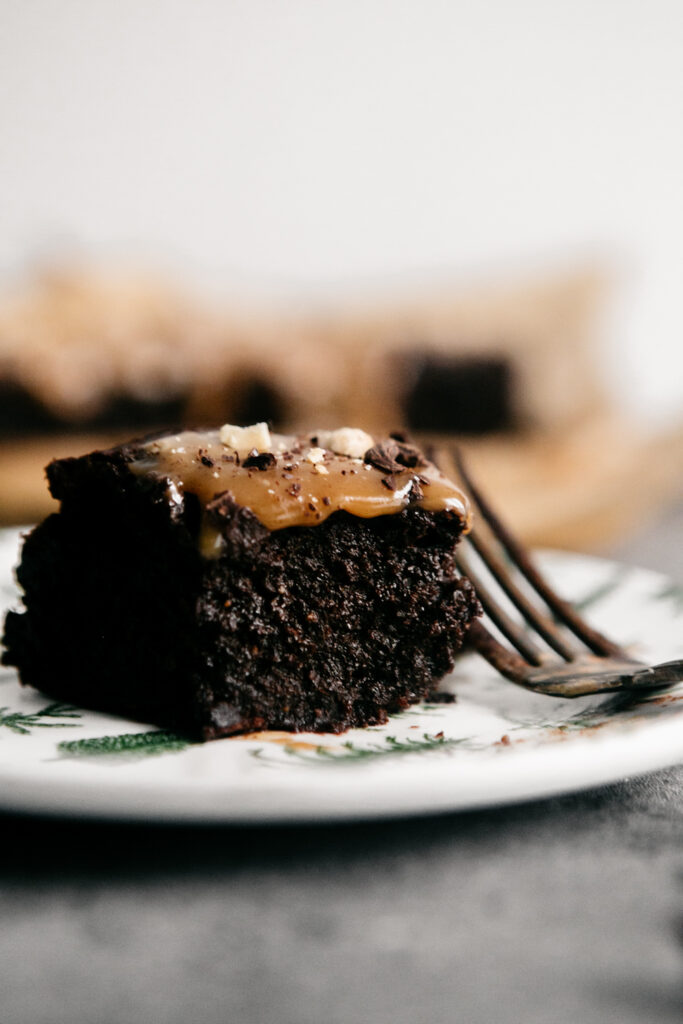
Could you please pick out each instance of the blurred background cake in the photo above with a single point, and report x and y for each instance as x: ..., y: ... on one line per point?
x: 509, y: 370
x: 82, y: 351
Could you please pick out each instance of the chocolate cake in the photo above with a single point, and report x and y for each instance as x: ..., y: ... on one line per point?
x: 225, y: 581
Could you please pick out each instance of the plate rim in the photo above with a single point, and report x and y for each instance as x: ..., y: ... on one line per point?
x: 114, y: 803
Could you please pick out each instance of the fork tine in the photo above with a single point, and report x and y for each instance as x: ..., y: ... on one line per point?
x: 517, y: 636
x: 541, y: 623
x: 507, y: 662
x: 597, y: 643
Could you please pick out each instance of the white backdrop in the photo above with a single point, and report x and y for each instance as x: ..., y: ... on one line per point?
x: 286, y: 149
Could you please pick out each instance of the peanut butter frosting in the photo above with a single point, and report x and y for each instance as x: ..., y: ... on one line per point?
x: 297, y: 480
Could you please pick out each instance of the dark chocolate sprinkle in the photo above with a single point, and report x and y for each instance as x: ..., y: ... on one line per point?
x: 259, y: 460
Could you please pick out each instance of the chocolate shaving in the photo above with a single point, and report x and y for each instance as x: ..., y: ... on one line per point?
x: 389, y: 482
x: 206, y: 460
x: 416, y: 492
x: 410, y: 456
x: 222, y: 506
x: 394, y: 456
x: 239, y: 527
x: 259, y: 460
x: 383, y: 457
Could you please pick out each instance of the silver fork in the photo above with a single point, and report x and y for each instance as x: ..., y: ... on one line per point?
x: 581, y: 661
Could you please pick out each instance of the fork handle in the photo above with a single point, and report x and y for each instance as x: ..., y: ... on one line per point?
x: 602, y: 676
x: 666, y: 674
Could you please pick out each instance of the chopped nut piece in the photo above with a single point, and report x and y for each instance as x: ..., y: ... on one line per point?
x: 347, y: 441
x: 243, y: 439
x: 315, y: 455
x: 319, y: 468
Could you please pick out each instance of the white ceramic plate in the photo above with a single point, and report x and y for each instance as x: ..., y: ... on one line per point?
x: 497, y: 744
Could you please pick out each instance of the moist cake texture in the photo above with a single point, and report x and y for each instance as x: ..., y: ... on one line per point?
x: 226, y: 581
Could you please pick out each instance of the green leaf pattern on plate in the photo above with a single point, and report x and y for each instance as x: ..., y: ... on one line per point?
x: 23, y: 721
x: 158, y: 741
x: 671, y: 592
x: 349, y: 752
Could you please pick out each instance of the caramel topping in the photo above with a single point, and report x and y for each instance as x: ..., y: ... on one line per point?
x: 296, y: 483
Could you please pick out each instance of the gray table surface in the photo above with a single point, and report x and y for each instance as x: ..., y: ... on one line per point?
x: 567, y: 910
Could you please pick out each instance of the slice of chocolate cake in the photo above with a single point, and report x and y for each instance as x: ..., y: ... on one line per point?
x: 223, y: 581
